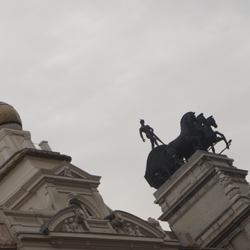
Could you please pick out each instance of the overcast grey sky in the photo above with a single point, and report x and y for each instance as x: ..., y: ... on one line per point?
x: 82, y: 73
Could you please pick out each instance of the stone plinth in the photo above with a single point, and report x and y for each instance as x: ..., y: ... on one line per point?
x: 207, y: 204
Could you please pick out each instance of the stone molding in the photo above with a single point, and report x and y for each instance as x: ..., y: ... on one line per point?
x: 16, y: 158
x: 125, y: 223
x: 76, y: 172
x: 48, y: 178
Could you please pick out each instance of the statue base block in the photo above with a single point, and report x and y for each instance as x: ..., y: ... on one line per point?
x: 207, y: 203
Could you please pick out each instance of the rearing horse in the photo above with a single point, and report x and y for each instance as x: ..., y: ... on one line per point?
x: 211, y: 136
x: 196, y: 133
x: 188, y: 141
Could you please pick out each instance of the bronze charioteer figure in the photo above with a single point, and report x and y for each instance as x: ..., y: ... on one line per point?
x: 149, y: 134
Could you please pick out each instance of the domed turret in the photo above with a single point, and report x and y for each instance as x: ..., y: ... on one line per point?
x: 9, y: 118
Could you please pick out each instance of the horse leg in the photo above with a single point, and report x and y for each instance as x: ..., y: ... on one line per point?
x: 225, y: 140
x: 222, y: 138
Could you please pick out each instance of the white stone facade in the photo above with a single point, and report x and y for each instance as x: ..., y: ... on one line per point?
x: 48, y: 203
x: 207, y: 203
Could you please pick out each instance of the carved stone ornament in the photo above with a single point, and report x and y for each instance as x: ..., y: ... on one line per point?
x: 126, y: 223
x: 118, y: 220
x: 227, y: 183
x: 5, y: 238
x: 128, y: 229
x: 138, y: 232
x: 225, y: 180
x: 67, y: 172
x: 70, y: 226
x: 7, y: 242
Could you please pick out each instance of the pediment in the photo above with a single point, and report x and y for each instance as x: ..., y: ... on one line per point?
x: 69, y: 170
x: 48, y: 183
x: 130, y: 224
x: 19, y: 156
x: 73, y: 220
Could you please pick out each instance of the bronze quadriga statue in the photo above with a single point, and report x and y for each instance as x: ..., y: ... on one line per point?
x: 196, y: 133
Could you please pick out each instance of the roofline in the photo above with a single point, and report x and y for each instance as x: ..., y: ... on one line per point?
x: 18, y: 156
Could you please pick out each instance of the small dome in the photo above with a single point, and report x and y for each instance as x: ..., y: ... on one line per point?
x: 9, y: 118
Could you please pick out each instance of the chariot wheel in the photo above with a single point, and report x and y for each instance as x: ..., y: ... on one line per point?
x: 159, y: 176
x: 159, y: 168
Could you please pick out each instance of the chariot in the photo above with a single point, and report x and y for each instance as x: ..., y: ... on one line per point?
x: 196, y: 133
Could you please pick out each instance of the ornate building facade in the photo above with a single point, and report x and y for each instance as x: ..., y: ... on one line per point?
x: 48, y: 203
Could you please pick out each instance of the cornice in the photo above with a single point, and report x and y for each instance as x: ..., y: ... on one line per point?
x: 16, y: 158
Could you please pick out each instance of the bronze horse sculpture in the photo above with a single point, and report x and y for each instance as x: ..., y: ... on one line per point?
x: 212, y: 137
x: 196, y: 133
x: 188, y: 141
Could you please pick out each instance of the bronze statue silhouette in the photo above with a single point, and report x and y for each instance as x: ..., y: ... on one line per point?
x: 188, y: 141
x: 208, y: 136
x: 196, y: 133
x: 149, y: 132
x: 211, y: 136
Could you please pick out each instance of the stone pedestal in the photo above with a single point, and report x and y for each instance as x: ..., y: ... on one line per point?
x: 207, y: 203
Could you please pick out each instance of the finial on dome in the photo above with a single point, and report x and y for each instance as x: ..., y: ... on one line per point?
x: 9, y: 117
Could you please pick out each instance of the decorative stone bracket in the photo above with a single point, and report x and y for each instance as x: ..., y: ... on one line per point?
x: 226, y: 182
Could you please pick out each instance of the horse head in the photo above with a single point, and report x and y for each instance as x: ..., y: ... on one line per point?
x: 211, y: 121
x: 201, y: 119
x: 187, y: 119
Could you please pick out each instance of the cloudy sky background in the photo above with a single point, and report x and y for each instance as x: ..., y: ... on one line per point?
x: 82, y: 73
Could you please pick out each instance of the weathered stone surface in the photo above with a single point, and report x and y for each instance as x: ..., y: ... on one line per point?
x: 48, y: 203
x: 206, y: 202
